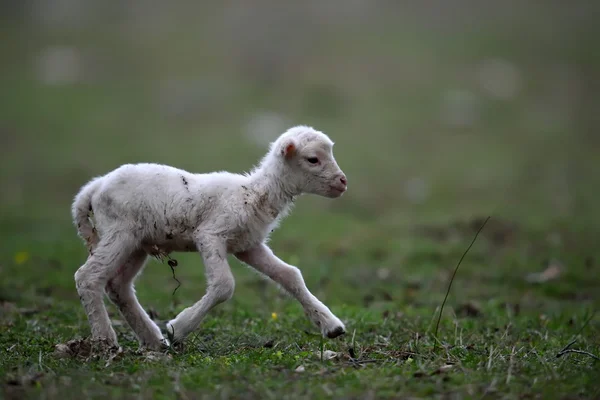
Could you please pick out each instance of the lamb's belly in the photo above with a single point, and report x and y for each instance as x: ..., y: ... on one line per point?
x: 244, y: 240
x: 236, y: 241
x: 170, y: 244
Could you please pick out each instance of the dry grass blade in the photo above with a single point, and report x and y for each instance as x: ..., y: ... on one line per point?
x: 595, y: 357
x: 437, y: 325
x: 566, y: 350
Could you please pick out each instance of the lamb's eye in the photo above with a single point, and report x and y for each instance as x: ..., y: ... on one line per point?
x: 312, y: 160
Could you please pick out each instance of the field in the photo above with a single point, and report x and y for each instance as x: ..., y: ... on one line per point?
x: 440, y: 119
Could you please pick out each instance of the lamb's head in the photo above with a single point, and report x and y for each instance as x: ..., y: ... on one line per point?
x: 308, y: 163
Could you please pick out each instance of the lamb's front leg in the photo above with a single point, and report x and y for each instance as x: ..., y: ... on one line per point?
x: 263, y: 260
x: 220, y: 286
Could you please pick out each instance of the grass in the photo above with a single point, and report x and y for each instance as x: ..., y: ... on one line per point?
x: 498, y: 337
x: 381, y: 260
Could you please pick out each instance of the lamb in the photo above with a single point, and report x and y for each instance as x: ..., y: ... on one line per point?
x: 141, y: 210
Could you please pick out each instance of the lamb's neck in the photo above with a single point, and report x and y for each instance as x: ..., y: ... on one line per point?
x: 279, y: 195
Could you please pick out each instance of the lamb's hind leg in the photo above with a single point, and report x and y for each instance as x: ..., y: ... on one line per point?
x: 91, y: 279
x: 121, y: 292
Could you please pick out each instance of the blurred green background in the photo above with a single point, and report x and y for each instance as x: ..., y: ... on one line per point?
x: 443, y: 107
x: 443, y: 112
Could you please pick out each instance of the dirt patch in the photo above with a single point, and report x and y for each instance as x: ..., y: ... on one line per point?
x: 85, y: 349
x: 88, y: 349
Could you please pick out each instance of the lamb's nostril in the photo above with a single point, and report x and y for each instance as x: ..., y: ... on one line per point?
x: 343, y: 180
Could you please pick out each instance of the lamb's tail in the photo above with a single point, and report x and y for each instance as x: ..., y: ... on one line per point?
x: 81, y: 211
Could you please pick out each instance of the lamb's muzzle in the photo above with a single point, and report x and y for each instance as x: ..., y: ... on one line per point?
x: 150, y: 209
x: 342, y: 186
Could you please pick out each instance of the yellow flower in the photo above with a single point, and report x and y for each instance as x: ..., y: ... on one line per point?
x: 21, y: 257
x: 274, y: 316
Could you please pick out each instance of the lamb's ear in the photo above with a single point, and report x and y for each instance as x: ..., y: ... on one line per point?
x: 288, y: 149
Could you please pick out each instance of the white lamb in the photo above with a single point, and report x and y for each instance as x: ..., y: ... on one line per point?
x: 150, y: 209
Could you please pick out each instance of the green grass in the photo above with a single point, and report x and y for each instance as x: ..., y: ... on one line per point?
x: 506, y: 345
x: 380, y: 261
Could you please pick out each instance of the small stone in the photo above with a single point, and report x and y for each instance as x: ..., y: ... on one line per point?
x: 327, y: 354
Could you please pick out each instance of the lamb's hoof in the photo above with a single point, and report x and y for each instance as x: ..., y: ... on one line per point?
x: 336, y: 332
x: 161, y: 345
x: 170, y: 330
x: 171, y: 341
x: 165, y: 344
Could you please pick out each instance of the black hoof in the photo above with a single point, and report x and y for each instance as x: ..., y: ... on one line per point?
x: 170, y: 335
x: 336, y: 332
x: 164, y: 345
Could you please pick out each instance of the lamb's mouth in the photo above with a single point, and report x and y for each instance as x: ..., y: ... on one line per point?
x: 337, y: 189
